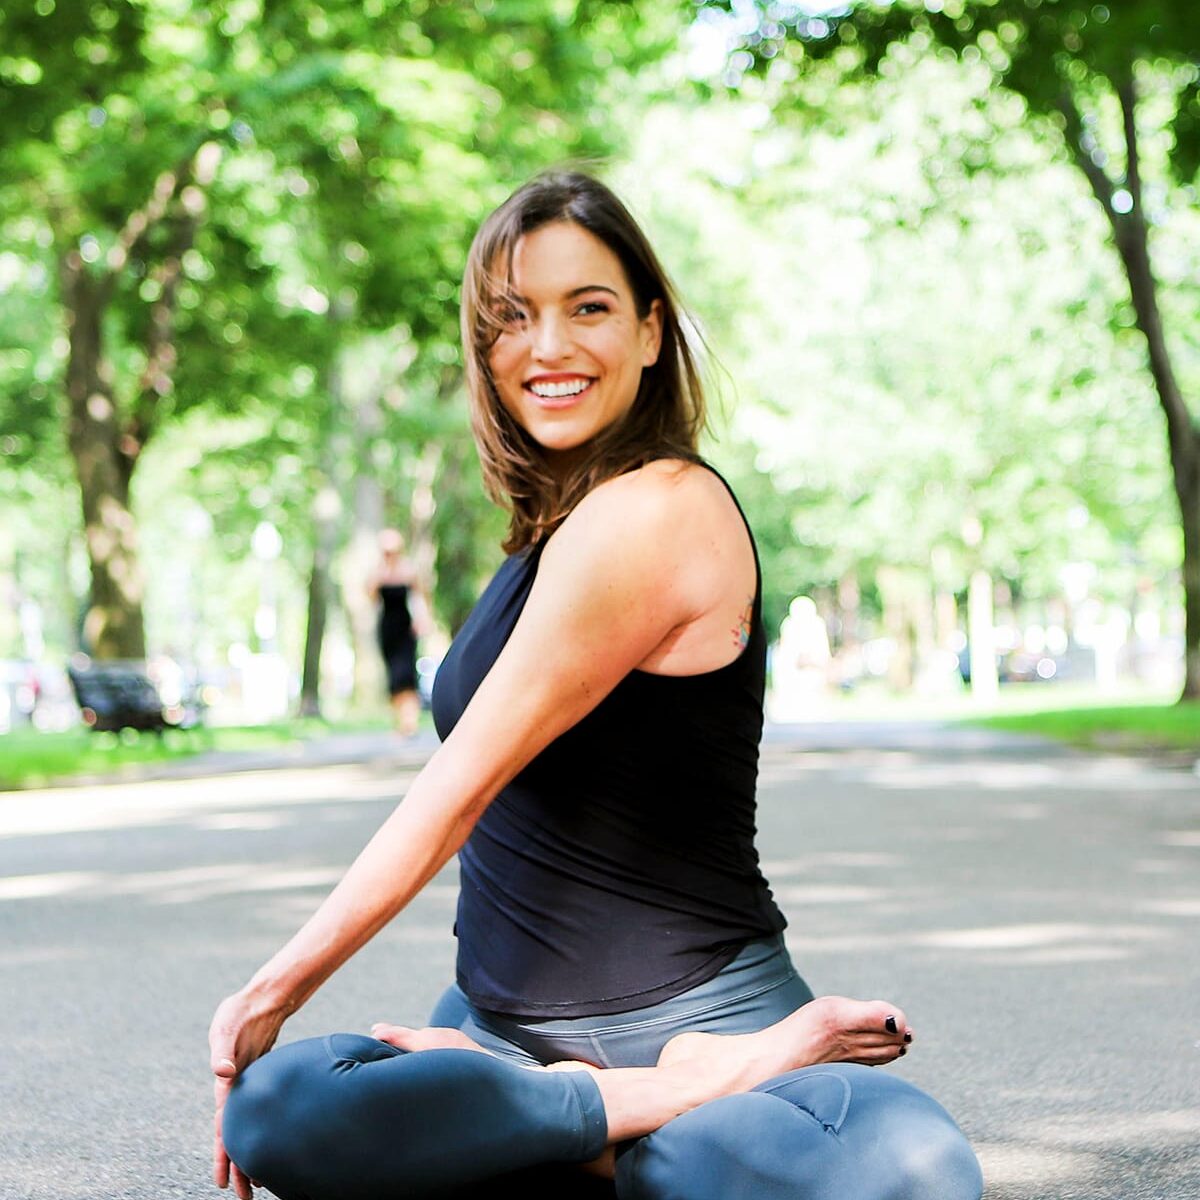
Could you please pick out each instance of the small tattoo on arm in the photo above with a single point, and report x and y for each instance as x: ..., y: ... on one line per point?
x: 741, y: 632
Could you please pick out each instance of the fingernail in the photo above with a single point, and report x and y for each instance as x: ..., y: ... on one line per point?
x: 890, y: 1025
x: 228, y: 1062
x: 908, y: 1037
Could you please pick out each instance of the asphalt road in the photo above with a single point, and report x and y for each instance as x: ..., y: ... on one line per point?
x: 1036, y: 914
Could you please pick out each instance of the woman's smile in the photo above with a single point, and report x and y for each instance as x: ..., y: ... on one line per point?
x: 558, y: 391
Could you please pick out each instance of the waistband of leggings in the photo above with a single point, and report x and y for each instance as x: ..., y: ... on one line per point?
x: 762, y: 965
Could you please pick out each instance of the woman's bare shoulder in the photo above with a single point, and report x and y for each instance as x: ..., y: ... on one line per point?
x: 666, y: 491
x: 671, y: 521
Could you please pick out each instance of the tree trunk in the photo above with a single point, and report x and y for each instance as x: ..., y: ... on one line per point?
x: 1130, y: 234
x: 113, y: 627
x: 1182, y: 436
x: 1189, y: 504
x: 325, y: 512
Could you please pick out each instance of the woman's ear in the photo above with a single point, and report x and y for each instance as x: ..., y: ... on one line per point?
x: 651, y: 331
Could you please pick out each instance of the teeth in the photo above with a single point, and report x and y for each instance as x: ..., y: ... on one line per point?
x: 555, y: 390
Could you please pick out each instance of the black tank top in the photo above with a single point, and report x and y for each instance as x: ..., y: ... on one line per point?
x: 618, y: 868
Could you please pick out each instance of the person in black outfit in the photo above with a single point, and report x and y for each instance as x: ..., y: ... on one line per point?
x: 625, y: 1002
x: 393, y: 587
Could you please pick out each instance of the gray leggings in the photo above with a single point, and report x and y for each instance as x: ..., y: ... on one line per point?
x: 347, y: 1117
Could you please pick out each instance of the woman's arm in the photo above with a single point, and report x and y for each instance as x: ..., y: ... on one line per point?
x: 612, y: 584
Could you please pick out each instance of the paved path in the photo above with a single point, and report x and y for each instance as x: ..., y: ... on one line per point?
x: 1036, y: 913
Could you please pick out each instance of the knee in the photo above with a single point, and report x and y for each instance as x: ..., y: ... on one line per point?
x: 898, y: 1136
x: 278, y: 1107
x: 936, y: 1164
x: 260, y: 1119
x: 814, y: 1134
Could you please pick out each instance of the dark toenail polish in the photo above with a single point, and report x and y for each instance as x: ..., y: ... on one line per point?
x: 890, y: 1024
x: 903, y: 1051
x: 908, y: 1037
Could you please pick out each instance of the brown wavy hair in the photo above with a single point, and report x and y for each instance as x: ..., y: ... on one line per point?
x: 667, y: 415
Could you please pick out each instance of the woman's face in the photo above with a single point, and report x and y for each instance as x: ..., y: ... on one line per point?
x: 569, y: 360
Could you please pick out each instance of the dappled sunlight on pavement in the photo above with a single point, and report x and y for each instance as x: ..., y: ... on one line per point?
x: 1037, y: 918
x: 159, y: 802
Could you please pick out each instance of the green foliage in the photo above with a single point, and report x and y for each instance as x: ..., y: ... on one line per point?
x: 257, y: 188
x: 1113, y: 85
x: 1037, y: 48
x: 32, y: 758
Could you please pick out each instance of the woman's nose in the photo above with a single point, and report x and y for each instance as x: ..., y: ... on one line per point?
x: 550, y: 339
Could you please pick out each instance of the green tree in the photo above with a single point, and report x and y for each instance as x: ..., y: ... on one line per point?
x: 203, y: 182
x: 1118, y: 84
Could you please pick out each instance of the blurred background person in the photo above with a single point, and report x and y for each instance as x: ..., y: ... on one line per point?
x: 403, y: 617
x: 800, y: 665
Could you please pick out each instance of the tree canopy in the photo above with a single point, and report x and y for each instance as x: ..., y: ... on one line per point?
x: 1120, y: 85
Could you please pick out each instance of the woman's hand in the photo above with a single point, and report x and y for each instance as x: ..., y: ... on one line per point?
x: 243, y: 1029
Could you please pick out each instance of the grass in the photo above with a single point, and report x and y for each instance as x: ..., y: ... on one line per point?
x: 1135, y: 720
x: 1144, y: 727
x: 30, y: 758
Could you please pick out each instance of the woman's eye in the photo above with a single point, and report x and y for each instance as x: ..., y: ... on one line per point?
x: 591, y: 307
x: 511, y: 316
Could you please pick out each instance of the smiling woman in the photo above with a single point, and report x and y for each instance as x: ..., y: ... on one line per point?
x: 622, y: 979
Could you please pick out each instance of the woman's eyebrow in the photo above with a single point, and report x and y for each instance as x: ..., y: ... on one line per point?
x: 517, y: 298
x: 591, y: 287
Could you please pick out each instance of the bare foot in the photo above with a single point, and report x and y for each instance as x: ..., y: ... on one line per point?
x: 433, y: 1037
x: 829, y: 1029
x: 429, y: 1038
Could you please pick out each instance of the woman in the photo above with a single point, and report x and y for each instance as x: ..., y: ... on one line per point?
x: 393, y: 588
x: 621, y: 965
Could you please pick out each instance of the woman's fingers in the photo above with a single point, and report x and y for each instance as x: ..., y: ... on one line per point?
x: 221, y: 1163
x: 241, y: 1183
x: 225, y: 1171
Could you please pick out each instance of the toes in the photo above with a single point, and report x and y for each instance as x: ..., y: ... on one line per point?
x: 890, y: 1020
x: 879, y: 1056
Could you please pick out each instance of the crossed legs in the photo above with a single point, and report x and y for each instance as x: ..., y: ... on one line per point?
x: 424, y: 1114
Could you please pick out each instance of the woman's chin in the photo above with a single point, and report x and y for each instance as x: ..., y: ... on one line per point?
x: 560, y: 442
